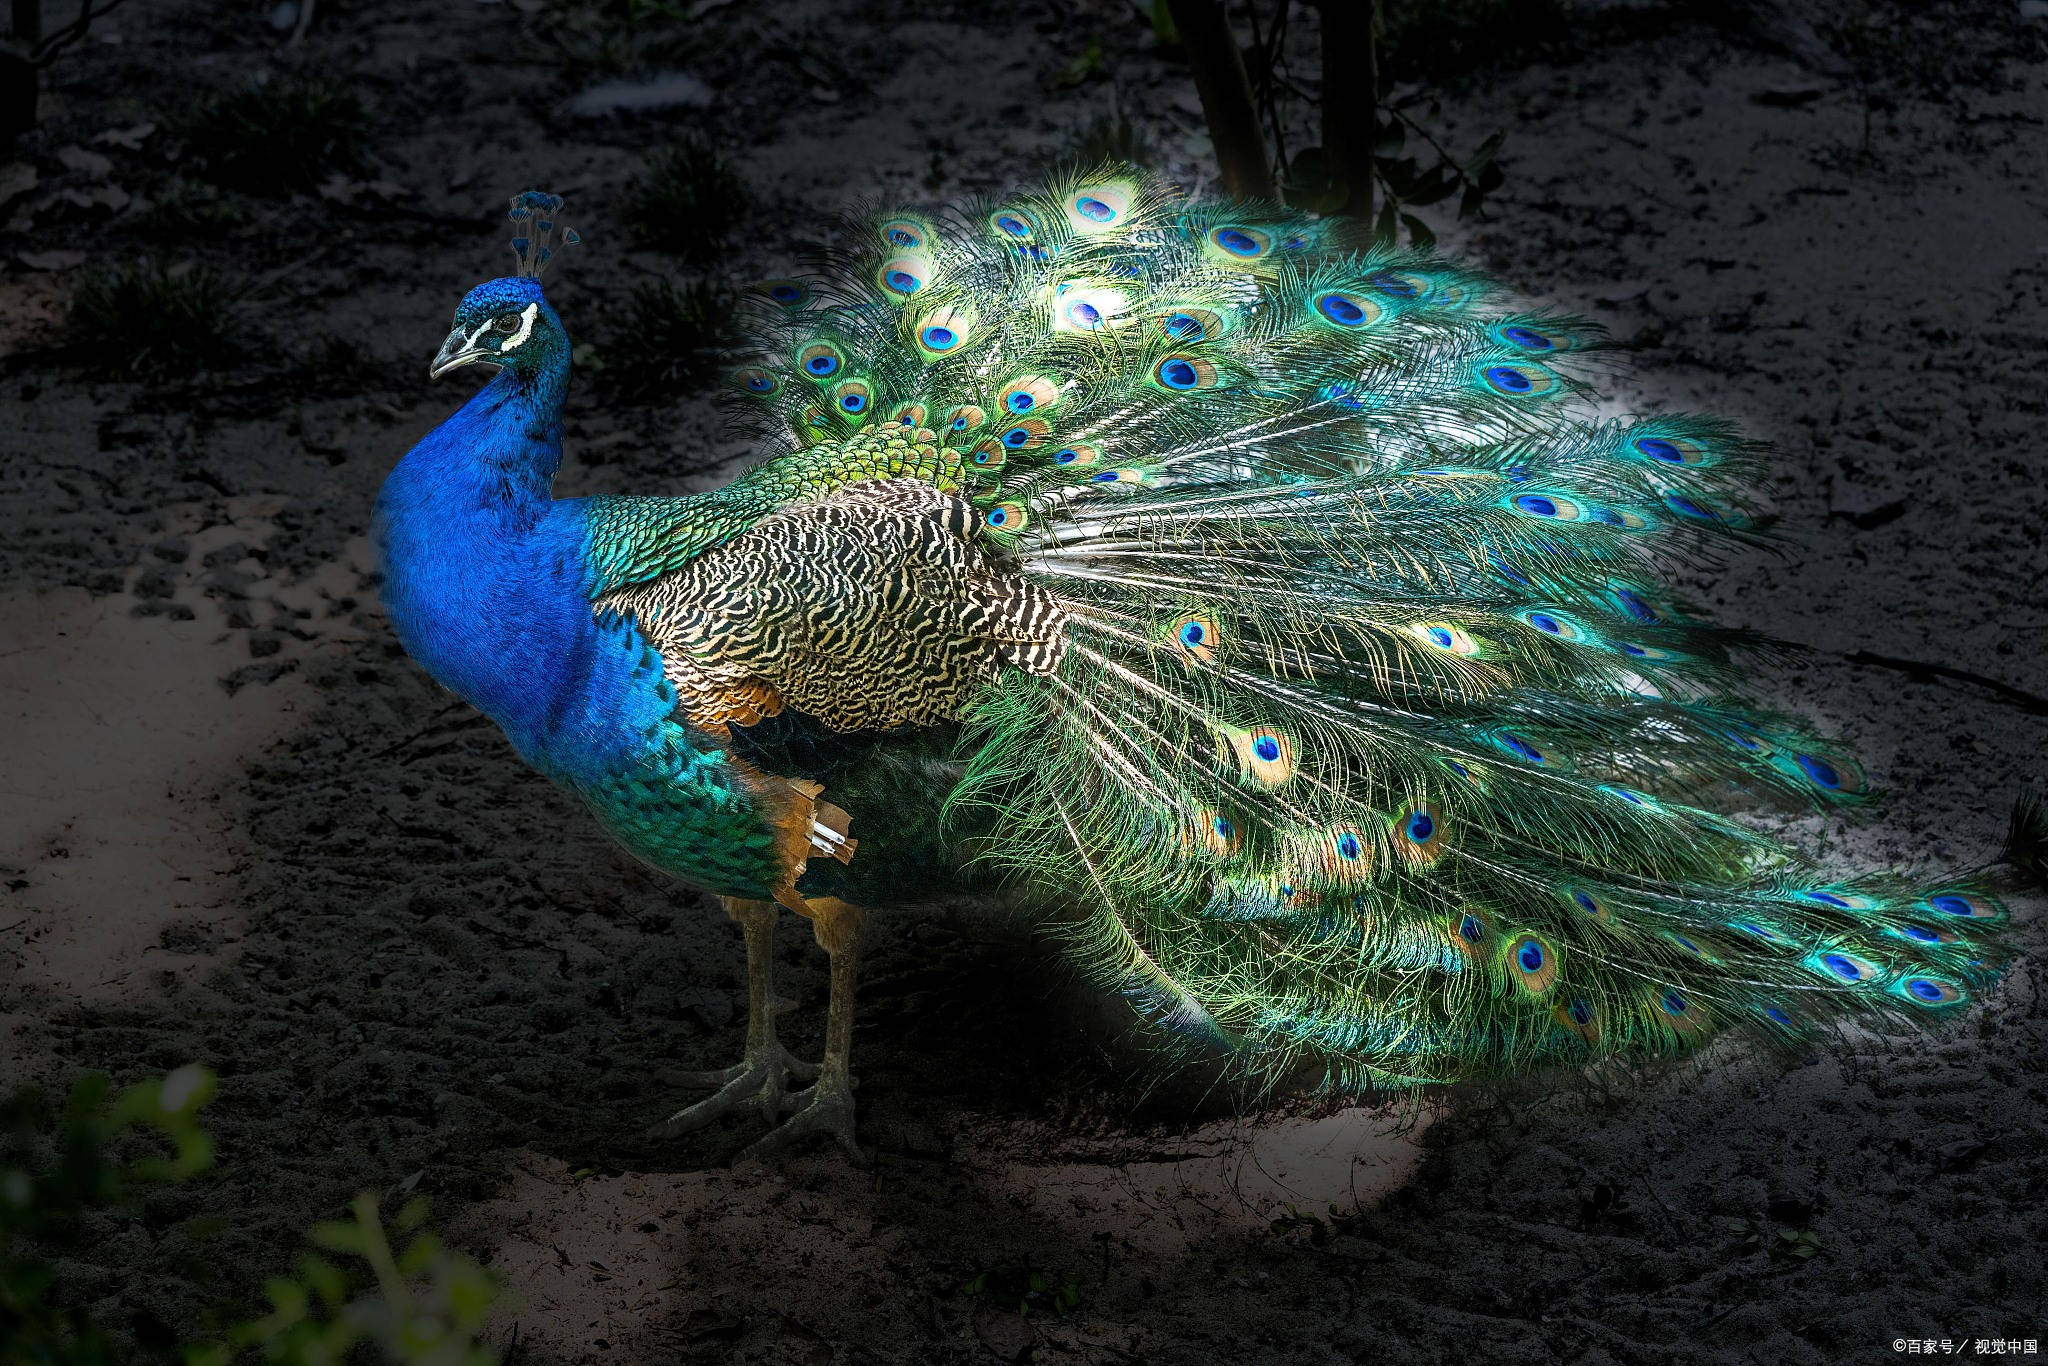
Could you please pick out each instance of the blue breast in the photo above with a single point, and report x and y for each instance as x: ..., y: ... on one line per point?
x: 484, y: 581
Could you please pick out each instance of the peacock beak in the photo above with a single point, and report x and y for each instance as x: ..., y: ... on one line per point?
x: 462, y: 348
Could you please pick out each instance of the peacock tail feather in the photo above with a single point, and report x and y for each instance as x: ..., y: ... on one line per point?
x: 1376, y: 734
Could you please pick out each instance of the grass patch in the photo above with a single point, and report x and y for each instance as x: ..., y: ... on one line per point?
x: 280, y: 135
x: 674, y: 340
x: 687, y: 203
x: 148, y: 320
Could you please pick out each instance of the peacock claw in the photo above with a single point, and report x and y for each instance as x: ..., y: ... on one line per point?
x: 824, y: 1110
x: 761, y: 1081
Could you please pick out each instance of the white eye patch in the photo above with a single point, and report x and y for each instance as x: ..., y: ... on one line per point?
x: 518, y: 339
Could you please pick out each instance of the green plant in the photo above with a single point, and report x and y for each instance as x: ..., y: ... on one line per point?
x: 688, y: 202
x: 425, y: 1306
x: 149, y: 320
x: 104, y: 1151
x: 1019, y: 1288
x: 674, y: 338
x: 1758, y: 1234
x: 272, y: 136
x: 181, y: 208
x: 97, y: 1159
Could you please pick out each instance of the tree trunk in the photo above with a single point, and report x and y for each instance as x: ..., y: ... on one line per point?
x: 1351, y: 81
x: 1226, y: 96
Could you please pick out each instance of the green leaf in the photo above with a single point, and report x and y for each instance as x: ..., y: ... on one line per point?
x: 337, y: 1236
x: 1076, y: 72
x: 1163, y: 31
x: 1418, y: 231
x: 1383, y: 226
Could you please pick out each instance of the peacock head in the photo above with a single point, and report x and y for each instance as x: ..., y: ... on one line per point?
x: 505, y: 324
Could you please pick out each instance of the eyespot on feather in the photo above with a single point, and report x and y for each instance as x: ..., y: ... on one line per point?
x: 1578, y: 1016
x: 1347, y: 310
x: 1417, y: 833
x: 1442, y: 635
x: 905, y: 234
x: 1470, y: 931
x: 1590, y: 904
x: 1025, y: 435
x: 1531, y: 336
x: 908, y: 415
x: 1264, y: 754
x: 943, y: 332
x: 1216, y: 833
x: 1531, y: 962
x: 1841, y: 967
x: 752, y: 379
x: 1925, y: 936
x: 1521, y: 747
x: 853, y: 398
x: 1347, y: 857
x: 1676, y: 1011
x: 1238, y: 243
x: 1013, y: 225
x: 1006, y: 518
x: 1403, y: 285
x: 905, y: 275
x: 965, y: 418
x: 1833, y: 774
x: 1519, y: 379
x: 1834, y: 899
x: 1085, y: 309
x: 1078, y: 457
x: 986, y: 457
x: 1182, y: 373
x: 1030, y: 394
x: 1659, y: 448
x: 1190, y: 325
x: 1097, y: 208
x: 1196, y: 637
x: 820, y: 360
x: 1553, y: 623
x: 1965, y: 906
x: 1548, y: 507
x: 1927, y: 992
x: 790, y: 294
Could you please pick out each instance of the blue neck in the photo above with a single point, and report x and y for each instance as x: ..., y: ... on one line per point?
x: 483, y: 586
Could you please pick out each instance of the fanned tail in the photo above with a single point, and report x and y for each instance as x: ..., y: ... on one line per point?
x: 1379, y: 735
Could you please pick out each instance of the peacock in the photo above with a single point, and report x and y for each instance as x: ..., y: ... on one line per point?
x: 1274, y: 608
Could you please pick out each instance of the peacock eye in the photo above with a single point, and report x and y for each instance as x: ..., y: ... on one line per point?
x: 506, y: 322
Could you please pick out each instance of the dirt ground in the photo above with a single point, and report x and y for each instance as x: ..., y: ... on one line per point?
x: 238, y: 826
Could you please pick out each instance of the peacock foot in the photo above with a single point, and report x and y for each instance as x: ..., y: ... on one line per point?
x: 826, y: 1108
x: 760, y: 1081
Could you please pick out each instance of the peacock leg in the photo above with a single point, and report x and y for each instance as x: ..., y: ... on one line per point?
x: 827, y: 1107
x: 761, y: 1077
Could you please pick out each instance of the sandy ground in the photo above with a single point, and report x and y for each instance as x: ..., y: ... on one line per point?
x: 237, y: 825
